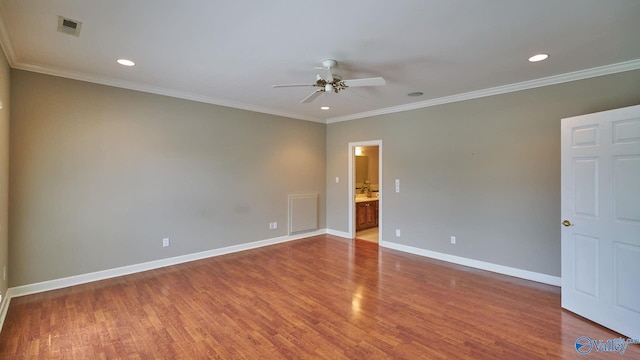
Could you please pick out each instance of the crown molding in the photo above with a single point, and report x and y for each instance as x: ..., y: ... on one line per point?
x: 531, y: 84
x: 5, y: 43
x: 158, y: 91
x: 11, y: 56
x: 525, y: 85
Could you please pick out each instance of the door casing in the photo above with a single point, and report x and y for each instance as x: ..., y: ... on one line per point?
x: 352, y: 208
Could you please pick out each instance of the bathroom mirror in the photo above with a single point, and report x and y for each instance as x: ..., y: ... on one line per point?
x: 362, y: 170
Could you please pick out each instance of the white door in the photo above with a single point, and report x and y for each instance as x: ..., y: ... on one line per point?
x: 601, y: 218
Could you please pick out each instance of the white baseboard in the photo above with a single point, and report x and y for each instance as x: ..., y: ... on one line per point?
x: 500, y: 269
x: 131, y: 269
x: 4, y: 307
x: 136, y: 268
x: 338, y: 233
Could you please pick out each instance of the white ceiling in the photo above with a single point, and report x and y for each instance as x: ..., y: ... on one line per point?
x: 232, y: 52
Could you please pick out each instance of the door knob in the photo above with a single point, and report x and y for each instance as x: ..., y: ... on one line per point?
x: 566, y: 223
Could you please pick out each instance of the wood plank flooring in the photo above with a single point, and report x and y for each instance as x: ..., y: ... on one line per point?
x: 322, y: 297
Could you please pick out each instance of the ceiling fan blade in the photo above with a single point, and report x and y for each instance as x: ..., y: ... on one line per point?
x: 376, y: 81
x: 325, y: 74
x: 291, y: 85
x: 313, y: 96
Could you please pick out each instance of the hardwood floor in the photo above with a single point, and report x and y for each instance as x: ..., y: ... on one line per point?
x: 318, y: 298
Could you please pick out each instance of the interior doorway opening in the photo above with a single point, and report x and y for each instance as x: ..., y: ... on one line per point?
x: 365, y: 190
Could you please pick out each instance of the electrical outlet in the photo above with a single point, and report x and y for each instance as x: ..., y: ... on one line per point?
x: 165, y: 242
x: 273, y: 225
x: 397, y: 232
x: 453, y: 240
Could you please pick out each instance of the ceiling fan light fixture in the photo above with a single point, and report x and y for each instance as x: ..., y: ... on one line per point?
x: 328, y: 81
x: 538, y: 57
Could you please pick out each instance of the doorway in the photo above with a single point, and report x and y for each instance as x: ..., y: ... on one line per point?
x: 365, y: 190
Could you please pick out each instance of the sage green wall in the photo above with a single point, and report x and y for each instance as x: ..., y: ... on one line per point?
x: 99, y: 175
x: 485, y: 170
x: 4, y: 170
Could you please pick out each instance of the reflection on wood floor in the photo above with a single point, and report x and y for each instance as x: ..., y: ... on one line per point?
x: 322, y: 297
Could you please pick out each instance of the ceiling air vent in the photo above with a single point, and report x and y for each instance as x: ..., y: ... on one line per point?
x: 68, y: 26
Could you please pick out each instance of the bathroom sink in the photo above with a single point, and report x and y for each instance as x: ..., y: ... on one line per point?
x: 364, y: 198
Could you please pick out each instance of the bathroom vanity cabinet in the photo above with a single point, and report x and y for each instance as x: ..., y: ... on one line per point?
x: 366, y: 214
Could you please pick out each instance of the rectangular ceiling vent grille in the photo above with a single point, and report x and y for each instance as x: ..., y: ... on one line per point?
x: 69, y: 26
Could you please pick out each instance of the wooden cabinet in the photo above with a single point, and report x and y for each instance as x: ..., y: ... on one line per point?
x: 366, y: 215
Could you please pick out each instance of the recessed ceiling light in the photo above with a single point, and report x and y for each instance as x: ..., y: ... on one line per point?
x: 415, y: 93
x: 125, y: 62
x: 324, y: 108
x: 538, y: 57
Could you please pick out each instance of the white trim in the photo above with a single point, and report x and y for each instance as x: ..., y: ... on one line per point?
x: 525, y: 85
x: 4, y: 307
x: 136, y: 268
x: 483, y: 265
x: 550, y: 80
x: 352, y: 145
x: 342, y: 234
x: 156, y: 264
x: 158, y: 91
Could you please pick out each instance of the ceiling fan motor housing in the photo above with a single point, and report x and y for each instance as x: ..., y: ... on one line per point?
x: 329, y: 63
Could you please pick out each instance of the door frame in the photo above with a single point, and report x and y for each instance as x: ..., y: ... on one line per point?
x: 352, y: 170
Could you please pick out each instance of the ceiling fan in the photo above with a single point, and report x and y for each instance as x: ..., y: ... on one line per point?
x: 328, y: 81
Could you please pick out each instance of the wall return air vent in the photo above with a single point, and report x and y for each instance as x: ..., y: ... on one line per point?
x: 68, y: 26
